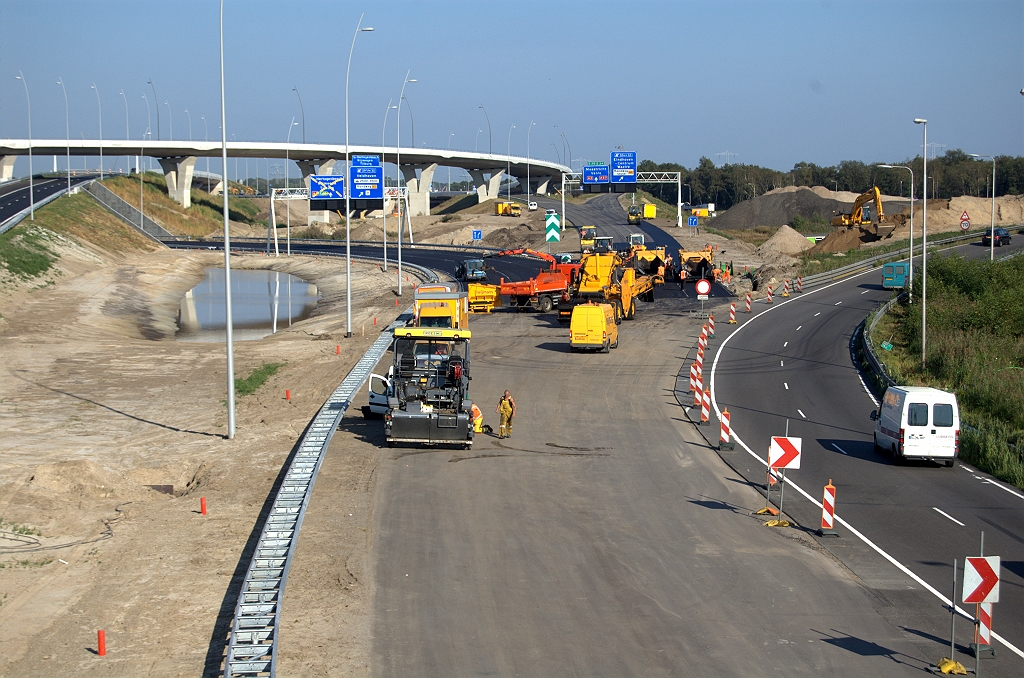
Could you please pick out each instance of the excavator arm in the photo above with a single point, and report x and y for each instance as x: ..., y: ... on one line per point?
x: 523, y: 250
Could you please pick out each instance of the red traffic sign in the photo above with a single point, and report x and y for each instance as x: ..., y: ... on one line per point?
x: 703, y: 286
x: 965, y: 225
x: 964, y: 217
x: 981, y: 580
x: 784, y: 452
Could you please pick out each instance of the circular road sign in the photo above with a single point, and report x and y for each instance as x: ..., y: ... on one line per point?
x: 965, y: 225
x: 703, y: 286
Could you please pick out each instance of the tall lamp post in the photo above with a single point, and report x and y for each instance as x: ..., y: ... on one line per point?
x: 99, y: 107
x: 508, y: 162
x: 302, y: 109
x: 227, y: 239
x: 67, y: 127
x: 206, y: 137
x: 490, y: 139
x: 911, y: 259
x: 170, y: 115
x: 189, y: 125
x: 924, y: 246
x: 689, y: 195
x: 31, y: 186
x: 287, y: 183
x: 348, y: 189
x: 398, y: 163
x: 127, y: 131
x: 449, y: 166
x: 156, y: 100
x: 992, y: 228
x: 528, y: 130
x: 149, y: 125
x: 412, y: 120
x: 384, y: 203
x: 476, y: 141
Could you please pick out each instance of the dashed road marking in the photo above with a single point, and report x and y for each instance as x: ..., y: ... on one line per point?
x: 780, y: 364
x: 817, y: 314
x: 785, y: 345
x: 798, y: 329
x: 934, y: 508
x: 786, y: 385
x: 802, y: 414
x: 865, y: 291
x: 840, y: 449
x: 838, y: 302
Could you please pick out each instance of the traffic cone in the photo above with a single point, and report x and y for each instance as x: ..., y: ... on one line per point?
x: 725, y: 439
x: 828, y: 511
x: 711, y: 325
x: 748, y: 302
x: 705, y: 408
x: 698, y: 397
x: 732, y: 314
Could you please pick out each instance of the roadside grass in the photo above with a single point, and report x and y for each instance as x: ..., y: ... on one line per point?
x: 23, y: 252
x: 754, y: 236
x: 456, y: 204
x: 256, y: 378
x: 975, y: 349
x: 821, y: 263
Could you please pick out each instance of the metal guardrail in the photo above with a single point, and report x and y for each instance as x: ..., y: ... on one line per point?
x: 125, y: 211
x: 252, y: 646
x: 378, y: 243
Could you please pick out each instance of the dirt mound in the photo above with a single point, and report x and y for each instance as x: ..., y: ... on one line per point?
x: 785, y: 241
x: 841, y: 241
x: 781, y: 205
x: 523, y: 235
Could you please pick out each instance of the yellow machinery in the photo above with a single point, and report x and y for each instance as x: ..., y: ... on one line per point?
x: 587, y: 235
x: 483, y: 298
x: 880, y: 226
x: 507, y: 209
x: 593, y: 327
x: 448, y: 310
x: 606, y: 277
x: 646, y: 261
x: 697, y: 264
x: 637, y: 213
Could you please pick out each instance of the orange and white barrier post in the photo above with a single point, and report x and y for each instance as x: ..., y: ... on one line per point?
x: 785, y: 288
x: 693, y: 376
x: 983, y: 630
x: 732, y: 314
x: 748, y: 302
x: 700, y: 359
x: 698, y: 397
x: 800, y: 284
x: 705, y: 408
x: 711, y: 325
x: 702, y: 340
x: 725, y: 439
x: 769, y: 294
x: 828, y: 511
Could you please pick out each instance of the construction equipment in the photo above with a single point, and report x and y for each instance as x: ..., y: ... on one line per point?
x: 697, y: 264
x: 446, y: 309
x: 483, y: 298
x: 543, y: 292
x: 607, y: 277
x: 427, y: 388
x: 592, y: 326
x: 503, y: 208
x: 587, y: 235
x: 471, y: 270
x: 881, y: 225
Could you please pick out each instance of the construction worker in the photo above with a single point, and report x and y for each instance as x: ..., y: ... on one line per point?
x: 478, y: 419
x: 506, y: 409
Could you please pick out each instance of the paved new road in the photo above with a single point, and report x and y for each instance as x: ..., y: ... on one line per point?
x: 14, y: 195
x: 792, y: 362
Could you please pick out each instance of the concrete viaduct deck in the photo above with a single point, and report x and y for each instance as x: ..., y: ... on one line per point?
x: 178, y: 158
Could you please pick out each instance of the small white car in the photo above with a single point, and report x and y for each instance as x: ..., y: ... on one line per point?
x: 531, y: 206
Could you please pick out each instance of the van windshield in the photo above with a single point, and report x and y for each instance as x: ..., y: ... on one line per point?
x: 942, y: 414
x: 917, y: 414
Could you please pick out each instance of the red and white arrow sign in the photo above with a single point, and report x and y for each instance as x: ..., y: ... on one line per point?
x: 981, y: 580
x: 784, y: 452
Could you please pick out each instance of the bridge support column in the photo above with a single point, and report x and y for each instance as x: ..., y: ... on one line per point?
x: 487, y: 189
x: 7, y: 167
x: 542, y: 185
x: 178, y: 173
x: 419, y: 188
x: 310, y: 167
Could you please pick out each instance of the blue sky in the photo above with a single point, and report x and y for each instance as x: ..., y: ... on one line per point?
x: 772, y: 82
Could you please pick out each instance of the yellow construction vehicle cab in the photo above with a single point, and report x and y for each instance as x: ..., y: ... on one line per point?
x: 432, y: 308
x: 697, y: 264
x: 587, y: 235
x: 507, y: 209
x: 857, y: 217
x: 634, y: 215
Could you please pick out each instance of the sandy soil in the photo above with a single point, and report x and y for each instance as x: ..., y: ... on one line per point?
x: 113, y: 431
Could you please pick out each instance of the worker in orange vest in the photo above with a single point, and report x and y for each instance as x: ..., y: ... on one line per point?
x: 478, y: 419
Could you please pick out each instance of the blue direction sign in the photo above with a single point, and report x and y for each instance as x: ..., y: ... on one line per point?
x: 595, y: 174
x: 365, y: 161
x: 623, y: 166
x: 691, y: 221
x: 478, y: 235
x: 326, y: 187
x: 367, y: 182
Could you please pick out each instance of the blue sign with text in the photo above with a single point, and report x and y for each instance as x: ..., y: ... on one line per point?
x: 326, y: 187
x: 478, y: 235
x: 367, y: 182
x: 365, y: 161
x: 595, y: 174
x: 623, y: 165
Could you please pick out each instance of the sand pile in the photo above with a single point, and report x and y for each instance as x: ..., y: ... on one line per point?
x: 785, y: 241
x: 779, y: 206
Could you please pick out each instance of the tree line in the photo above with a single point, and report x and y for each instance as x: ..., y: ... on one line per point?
x: 953, y: 174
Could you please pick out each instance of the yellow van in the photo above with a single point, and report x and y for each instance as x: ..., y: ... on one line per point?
x: 593, y: 326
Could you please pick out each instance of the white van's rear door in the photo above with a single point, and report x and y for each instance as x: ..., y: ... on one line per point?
x: 379, y: 389
x: 917, y: 436
x: 942, y: 430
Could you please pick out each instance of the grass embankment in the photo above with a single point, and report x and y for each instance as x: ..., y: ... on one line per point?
x: 203, y: 218
x: 31, y: 248
x: 975, y: 349
x: 820, y: 263
x: 256, y: 378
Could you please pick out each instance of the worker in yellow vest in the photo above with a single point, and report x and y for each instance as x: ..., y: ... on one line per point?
x: 478, y: 419
x: 507, y: 410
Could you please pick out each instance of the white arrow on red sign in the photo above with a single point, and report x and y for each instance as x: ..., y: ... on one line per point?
x: 981, y: 580
x: 784, y: 452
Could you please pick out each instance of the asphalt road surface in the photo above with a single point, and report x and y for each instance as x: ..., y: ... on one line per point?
x: 794, y: 363
x: 14, y: 195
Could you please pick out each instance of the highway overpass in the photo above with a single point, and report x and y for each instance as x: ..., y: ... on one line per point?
x: 178, y: 159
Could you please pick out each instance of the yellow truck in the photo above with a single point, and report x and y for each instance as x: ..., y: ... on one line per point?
x: 483, y: 298
x: 449, y: 310
x: 504, y: 208
x: 637, y: 213
x: 592, y: 326
x: 605, y: 277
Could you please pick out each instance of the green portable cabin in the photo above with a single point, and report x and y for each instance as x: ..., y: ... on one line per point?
x: 894, y: 276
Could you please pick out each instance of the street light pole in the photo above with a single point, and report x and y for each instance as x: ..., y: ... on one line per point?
x: 449, y: 166
x: 67, y: 126
x: 287, y: 184
x: 384, y: 203
x: 303, y: 110
x: 348, y: 189
x: 31, y: 186
x: 528, y: 130
x: 911, y: 259
x: 476, y: 142
x: 170, y: 115
x: 412, y: 120
x: 992, y: 228
x: 924, y: 248
x: 189, y: 125
x: 508, y: 162
x: 490, y: 139
x: 227, y: 239
x: 689, y: 195
x: 398, y: 163
x: 99, y: 106
x: 206, y: 137
x: 127, y: 129
x: 156, y: 100
x: 149, y: 125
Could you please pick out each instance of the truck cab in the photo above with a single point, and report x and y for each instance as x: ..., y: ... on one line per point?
x: 471, y: 270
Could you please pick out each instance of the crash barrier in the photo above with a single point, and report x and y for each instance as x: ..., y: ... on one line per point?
x: 252, y: 645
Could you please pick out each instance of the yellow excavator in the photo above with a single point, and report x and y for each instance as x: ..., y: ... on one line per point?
x: 881, y: 226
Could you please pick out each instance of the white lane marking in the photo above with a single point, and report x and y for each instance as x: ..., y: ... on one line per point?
x: 857, y: 533
x: 838, y: 302
x: 802, y: 413
x: 817, y: 314
x: 785, y: 345
x: 786, y: 385
x: 865, y: 291
x: 866, y: 389
x: 798, y: 329
x: 840, y: 449
x: 1003, y: 487
x: 780, y: 364
x: 935, y: 508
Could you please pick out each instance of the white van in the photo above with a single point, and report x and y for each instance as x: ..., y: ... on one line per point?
x: 916, y: 422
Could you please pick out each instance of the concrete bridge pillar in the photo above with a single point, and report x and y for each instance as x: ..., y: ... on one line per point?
x: 178, y: 173
x: 543, y: 184
x: 310, y: 167
x: 419, y: 188
x: 7, y: 167
x: 487, y: 189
